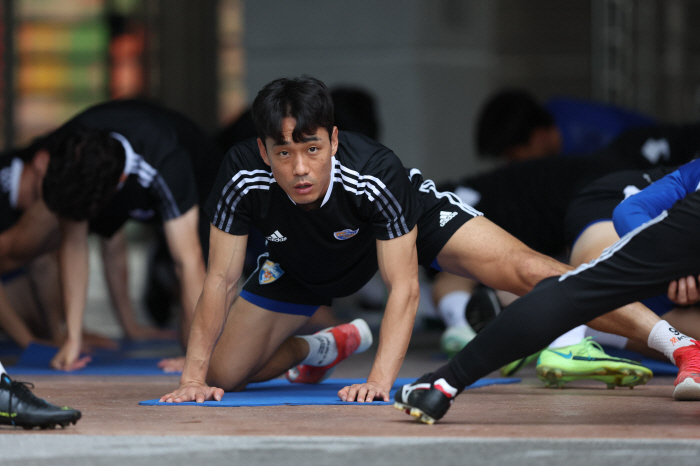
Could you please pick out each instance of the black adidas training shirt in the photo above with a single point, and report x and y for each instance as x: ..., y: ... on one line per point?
x: 330, y: 250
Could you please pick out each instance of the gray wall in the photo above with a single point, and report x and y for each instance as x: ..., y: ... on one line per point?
x: 430, y: 63
x: 186, y: 56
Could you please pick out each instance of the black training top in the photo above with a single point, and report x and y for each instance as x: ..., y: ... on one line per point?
x: 332, y: 249
x: 10, y: 172
x: 169, y: 161
x: 529, y: 199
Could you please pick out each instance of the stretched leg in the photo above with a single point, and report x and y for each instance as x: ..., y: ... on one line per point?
x: 636, y: 267
x: 639, y: 266
x: 451, y: 294
x: 633, y: 321
x: 22, y: 300
x: 446, y: 283
x: 12, y: 323
x: 482, y: 250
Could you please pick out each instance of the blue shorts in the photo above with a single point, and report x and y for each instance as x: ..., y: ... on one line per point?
x: 660, y: 305
x: 12, y: 274
x: 271, y: 288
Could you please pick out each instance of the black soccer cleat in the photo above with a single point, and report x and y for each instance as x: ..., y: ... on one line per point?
x: 426, y: 401
x: 482, y: 308
x: 19, y: 407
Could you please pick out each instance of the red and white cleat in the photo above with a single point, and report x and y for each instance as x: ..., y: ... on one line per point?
x: 688, y: 381
x: 351, y: 338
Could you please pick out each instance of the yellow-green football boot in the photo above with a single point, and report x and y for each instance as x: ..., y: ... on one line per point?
x: 454, y: 339
x: 587, y: 360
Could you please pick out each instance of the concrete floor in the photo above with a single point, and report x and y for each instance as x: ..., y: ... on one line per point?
x: 520, y: 424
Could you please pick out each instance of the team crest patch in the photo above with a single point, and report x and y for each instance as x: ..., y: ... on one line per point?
x: 270, y: 272
x: 345, y: 234
x: 142, y: 214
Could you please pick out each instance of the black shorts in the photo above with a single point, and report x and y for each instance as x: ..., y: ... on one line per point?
x: 596, y: 202
x: 271, y: 288
x: 443, y: 214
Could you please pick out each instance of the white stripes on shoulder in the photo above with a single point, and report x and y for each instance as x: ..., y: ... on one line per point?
x: 429, y: 185
x: 377, y: 192
x: 238, y: 186
x: 148, y: 177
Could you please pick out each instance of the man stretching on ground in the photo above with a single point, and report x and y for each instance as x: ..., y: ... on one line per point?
x: 334, y: 206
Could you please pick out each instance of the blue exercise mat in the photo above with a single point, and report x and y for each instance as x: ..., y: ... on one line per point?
x: 656, y: 366
x: 9, y: 349
x: 280, y: 392
x: 131, y: 358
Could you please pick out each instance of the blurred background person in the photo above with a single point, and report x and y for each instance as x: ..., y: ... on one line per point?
x: 514, y: 125
x: 124, y: 160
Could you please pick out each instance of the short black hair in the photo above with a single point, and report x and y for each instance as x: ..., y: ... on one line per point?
x: 508, y: 119
x: 355, y: 111
x: 305, y: 99
x: 83, y: 173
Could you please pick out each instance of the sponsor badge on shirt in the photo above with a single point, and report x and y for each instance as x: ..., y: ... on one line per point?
x: 270, y: 272
x: 141, y: 214
x: 345, y: 234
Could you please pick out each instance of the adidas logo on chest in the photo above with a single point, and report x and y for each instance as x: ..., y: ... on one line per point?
x: 446, y: 217
x: 277, y: 237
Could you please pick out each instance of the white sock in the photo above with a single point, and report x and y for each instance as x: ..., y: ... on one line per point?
x: 451, y: 308
x: 2, y: 369
x: 322, y: 349
x: 663, y: 337
x: 572, y: 337
x: 609, y: 339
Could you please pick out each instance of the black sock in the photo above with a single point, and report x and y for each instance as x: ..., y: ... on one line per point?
x: 446, y: 372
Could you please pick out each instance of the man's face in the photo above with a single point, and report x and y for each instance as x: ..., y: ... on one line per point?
x: 302, y: 169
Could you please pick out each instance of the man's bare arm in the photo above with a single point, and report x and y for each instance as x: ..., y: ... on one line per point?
x: 74, y: 270
x: 186, y: 251
x: 12, y: 323
x: 35, y: 233
x: 398, y: 264
x: 115, y: 265
x: 226, y: 257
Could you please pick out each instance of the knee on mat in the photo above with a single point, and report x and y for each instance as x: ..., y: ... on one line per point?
x: 220, y: 379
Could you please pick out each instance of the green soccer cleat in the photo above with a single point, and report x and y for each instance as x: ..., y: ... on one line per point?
x: 515, y: 366
x: 587, y: 360
x: 456, y: 338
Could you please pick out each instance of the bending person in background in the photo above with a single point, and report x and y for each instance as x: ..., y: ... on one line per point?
x: 126, y: 160
x: 31, y: 308
x: 530, y: 199
x: 515, y: 126
x: 590, y: 229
